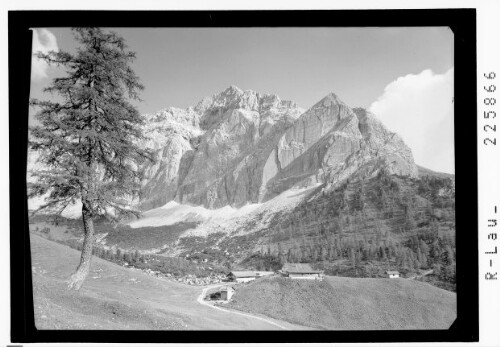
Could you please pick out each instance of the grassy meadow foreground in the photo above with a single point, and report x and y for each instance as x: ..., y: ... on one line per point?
x: 349, y: 303
x: 114, y: 298
x: 117, y: 298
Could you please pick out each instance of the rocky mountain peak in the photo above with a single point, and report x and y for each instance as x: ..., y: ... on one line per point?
x: 238, y: 147
x: 232, y: 90
x: 249, y: 146
x: 328, y: 101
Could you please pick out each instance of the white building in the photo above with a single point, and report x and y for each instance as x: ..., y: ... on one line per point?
x: 392, y: 274
x: 226, y: 293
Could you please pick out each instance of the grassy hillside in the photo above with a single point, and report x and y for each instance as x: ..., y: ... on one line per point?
x: 349, y: 303
x: 174, y: 267
x: 116, y: 298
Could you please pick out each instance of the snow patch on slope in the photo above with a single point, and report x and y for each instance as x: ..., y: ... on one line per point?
x: 256, y: 219
x: 227, y: 220
x: 173, y: 212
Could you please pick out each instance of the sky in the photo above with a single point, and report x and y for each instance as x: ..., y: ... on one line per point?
x: 403, y: 75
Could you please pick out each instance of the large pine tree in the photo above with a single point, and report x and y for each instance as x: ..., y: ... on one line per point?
x: 87, y: 139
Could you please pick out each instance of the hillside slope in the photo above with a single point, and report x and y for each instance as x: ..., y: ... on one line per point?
x: 116, y: 298
x: 341, y: 303
x: 378, y: 211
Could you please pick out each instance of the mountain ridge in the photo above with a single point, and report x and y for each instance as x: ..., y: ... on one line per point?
x: 245, y: 143
x: 260, y: 181
x: 248, y: 140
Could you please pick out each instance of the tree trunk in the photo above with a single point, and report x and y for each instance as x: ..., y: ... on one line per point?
x: 76, y: 280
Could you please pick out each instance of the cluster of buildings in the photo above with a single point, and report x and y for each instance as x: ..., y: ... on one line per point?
x: 295, y: 271
x: 290, y: 270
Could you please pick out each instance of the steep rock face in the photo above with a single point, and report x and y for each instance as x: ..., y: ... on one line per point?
x: 240, y: 147
x: 322, y: 118
x: 227, y: 166
x: 320, y: 140
x: 331, y: 142
x: 161, y: 180
x: 171, y: 134
x: 380, y: 149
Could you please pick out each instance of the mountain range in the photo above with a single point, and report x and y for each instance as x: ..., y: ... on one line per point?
x: 248, y: 180
x: 242, y: 147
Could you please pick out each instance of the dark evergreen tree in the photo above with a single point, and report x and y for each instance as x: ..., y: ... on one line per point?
x: 136, y: 257
x: 392, y: 251
x: 357, y: 258
x: 435, y: 250
x: 419, y: 254
x: 119, y: 255
x: 404, y: 259
x: 448, y: 273
x: 127, y: 258
x: 381, y: 253
x: 424, y: 248
x: 352, y: 257
x: 335, y: 253
x: 372, y: 251
x: 450, y: 257
x: 411, y: 260
x: 416, y: 264
x: 88, y: 139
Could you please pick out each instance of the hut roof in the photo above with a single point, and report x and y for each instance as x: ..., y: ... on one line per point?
x: 244, y: 273
x: 299, y: 268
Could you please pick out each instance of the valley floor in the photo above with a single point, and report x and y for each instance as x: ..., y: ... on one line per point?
x: 117, y: 298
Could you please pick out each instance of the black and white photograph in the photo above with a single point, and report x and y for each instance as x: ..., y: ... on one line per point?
x: 242, y: 178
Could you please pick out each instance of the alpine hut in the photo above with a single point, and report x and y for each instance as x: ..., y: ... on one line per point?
x: 301, y: 271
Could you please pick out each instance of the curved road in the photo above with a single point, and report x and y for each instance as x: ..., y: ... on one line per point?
x: 209, y: 304
x: 114, y: 297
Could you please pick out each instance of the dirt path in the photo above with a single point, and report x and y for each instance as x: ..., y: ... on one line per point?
x: 209, y: 304
x: 114, y: 298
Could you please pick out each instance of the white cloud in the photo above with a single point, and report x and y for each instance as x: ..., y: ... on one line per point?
x: 43, y: 41
x: 420, y: 109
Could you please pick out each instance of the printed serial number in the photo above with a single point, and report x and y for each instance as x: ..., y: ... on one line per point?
x: 489, y: 101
